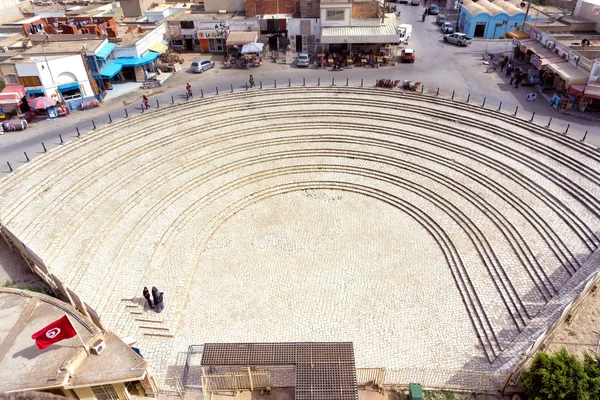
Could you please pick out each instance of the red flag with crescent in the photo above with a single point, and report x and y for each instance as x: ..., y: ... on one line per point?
x: 55, y: 332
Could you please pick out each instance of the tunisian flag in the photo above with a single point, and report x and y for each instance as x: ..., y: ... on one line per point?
x: 55, y: 332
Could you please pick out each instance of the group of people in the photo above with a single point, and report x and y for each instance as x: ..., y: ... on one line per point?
x: 157, y: 301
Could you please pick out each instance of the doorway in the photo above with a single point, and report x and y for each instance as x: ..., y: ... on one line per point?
x: 189, y: 44
x: 298, y: 43
x: 479, y: 29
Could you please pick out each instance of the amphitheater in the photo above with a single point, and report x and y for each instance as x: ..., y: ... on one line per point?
x: 435, y: 235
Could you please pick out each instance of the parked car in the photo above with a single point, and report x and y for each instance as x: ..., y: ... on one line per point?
x: 433, y: 10
x: 447, y: 27
x: 202, y: 65
x: 459, y: 39
x: 403, y: 1
x: 407, y: 55
x: 415, y: 2
x: 441, y: 19
x: 303, y: 60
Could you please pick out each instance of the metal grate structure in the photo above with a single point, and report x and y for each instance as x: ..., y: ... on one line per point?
x: 324, y: 370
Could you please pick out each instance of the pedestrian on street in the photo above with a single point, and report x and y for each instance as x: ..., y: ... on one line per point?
x: 251, y: 81
x: 146, y: 101
x: 518, y: 80
x: 146, y: 294
x: 158, y: 299
x: 502, y: 64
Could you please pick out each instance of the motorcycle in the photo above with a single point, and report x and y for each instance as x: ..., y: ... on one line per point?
x: 423, y: 18
x: 337, y: 67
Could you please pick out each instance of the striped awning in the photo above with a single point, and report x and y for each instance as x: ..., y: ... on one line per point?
x: 12, y: 95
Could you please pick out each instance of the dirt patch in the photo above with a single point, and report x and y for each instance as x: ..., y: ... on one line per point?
x: 14, y: 269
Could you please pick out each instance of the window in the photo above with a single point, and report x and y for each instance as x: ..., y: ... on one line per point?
x: 186, y: 24
x: 177, y: 42
x: 105, y: 392
x: 335, y: 15
x: 71, y: 94
x: 12, y: 79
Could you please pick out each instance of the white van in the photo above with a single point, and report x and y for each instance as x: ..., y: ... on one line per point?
x: 404, y: 30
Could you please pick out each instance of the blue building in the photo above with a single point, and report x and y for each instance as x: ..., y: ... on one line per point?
x: 494, y: 19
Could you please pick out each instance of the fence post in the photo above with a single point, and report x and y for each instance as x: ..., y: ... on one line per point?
x: 532, y: 115
x: 438, y: 92
x: 332, y: 81
x: 44, y: 146
x: 9, y: 167
x: 260, y: 82
x: 173, y: 100
x: 289, y: 82
x: 567, y: 130
x: 483, y: 105
x: 303, y: 81
x: 584, y: 136
x: 201, y: 93
x: 453, y: 95
x: 78, y: 134
x: 468, y: 97
x: 109, y: 119
x: 26, y: 156
x: 246, y: 85
x: 422, y: 88
x: 361, y: 83
x: 347, y: 81
x: 126, y: 114
x: 549, y: 122
x: 217, y: 90
x: 232, y: 88
x: 94, y: 124
x: 500, y: 106
x: 61, y: 139
x: 274, y: 83
x: 157, y: 105
x: 318, y: 81
x: 516, y: 110
x: 143, y: 107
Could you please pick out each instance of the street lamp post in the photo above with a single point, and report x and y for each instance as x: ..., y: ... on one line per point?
x: 46, y: 58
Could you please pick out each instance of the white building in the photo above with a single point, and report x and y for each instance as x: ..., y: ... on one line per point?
x: 589, y: 9
x: 60, y: 77
x: 9, y: 11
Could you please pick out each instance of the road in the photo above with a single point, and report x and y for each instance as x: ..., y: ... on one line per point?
x: 438, y: 65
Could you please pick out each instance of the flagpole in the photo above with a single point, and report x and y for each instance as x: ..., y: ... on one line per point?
x: 77, y: 334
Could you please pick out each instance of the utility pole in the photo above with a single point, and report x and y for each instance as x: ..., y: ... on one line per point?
x: 526, y: 14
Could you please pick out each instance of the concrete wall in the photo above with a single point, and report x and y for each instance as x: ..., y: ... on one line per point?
x: 9, y: 11
x: 155, y: 16
x: 214, y: 6
x: 261, y: 7
x: 587, y: 9
x: 496, y: 26
x: 347, y: 11
x: 365, y: 9
x: 310, y: 8
x: 309, y: 29
x: 136, y: 8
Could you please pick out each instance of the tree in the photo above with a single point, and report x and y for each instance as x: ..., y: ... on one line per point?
x: 561, y: 377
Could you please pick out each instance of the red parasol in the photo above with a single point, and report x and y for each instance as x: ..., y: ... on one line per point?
x: 41, y: 103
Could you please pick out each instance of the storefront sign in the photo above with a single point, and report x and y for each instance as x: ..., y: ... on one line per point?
x: 273, y: 34
x: 188, y: 31
x: 536, y: 61
x: 210, y: 34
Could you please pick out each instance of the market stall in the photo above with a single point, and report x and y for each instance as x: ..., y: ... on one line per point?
x: 12, y: 100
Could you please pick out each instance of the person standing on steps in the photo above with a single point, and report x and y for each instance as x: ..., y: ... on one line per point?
x: 146, y: 294
x: 251, y: 81
x: 158, y: 299
x: 188, y: 89
x: 146, y: 101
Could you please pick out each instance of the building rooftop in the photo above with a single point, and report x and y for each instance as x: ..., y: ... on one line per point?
x: 129, y: 33
x: 188, y: 15
x: 24, y: 367
x: 64, y: 47
x: 510, y: 7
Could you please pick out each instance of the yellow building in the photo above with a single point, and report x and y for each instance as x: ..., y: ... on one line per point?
x: 96, y: 364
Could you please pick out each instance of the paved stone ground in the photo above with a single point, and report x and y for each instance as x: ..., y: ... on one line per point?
x: 425, y: 233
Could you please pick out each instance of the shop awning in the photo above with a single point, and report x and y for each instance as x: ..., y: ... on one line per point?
x: 539, y: 49
x: 68, y: 87
x: 577, y: 89
x: 592, y: 90
x: 12, y: 95
x: 541, y: 63
x: 241, y: 38
x: 111, y: 69
x: 137, y: 61
x: 569, y: 73
x: 386, y: 33
x: 35, y: 91
x: 158, y: 48
x: 106, y: 50
x: 517, y: 35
